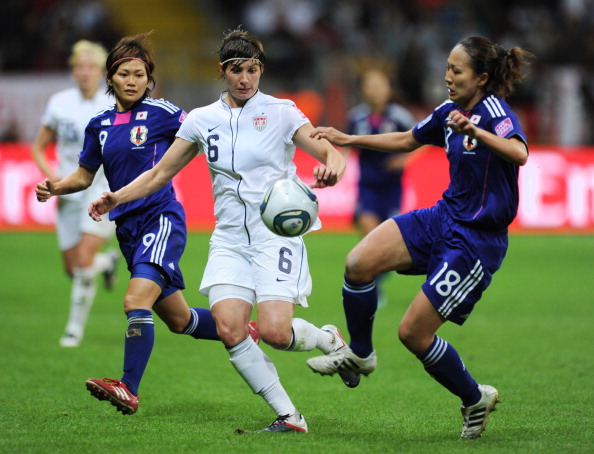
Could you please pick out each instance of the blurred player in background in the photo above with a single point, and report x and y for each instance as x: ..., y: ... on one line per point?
x: 249, y: 140
x: 79, y: 238
x: 461, y: 241
x: 126, y: 140
x: 380, y: 174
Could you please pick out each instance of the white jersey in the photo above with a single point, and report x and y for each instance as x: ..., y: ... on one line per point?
x: 68, y: 113
x: 247, y: 149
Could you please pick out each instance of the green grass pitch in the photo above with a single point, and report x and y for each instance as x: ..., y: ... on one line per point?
x: 531, y: 336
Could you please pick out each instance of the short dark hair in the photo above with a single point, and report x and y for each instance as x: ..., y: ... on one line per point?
x: 240, y: 44
x: 136, y: 46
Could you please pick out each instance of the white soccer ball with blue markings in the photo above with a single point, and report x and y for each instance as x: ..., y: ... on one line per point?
x: 289, y: 208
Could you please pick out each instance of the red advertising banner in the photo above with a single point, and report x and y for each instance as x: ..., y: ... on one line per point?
x: 556, y: 190
x: 556, y: 187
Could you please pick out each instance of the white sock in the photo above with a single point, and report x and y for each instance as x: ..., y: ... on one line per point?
x: 307, y: 336
x: 278, y: 399
x: 102, y: 261
x: 259, y: 373
x: 81, y: 300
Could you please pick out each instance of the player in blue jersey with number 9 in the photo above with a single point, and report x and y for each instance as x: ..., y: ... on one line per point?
x: 126, y: 140
x: 458, y: 243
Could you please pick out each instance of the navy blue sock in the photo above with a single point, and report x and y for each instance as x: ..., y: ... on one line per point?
x: 359, y: 300
x: 202, y: 325
x: 140, y: 339
x: 443, y: 363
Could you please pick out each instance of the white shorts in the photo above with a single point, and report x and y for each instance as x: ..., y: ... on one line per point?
x: 275, y: 270
x: 73, y: 217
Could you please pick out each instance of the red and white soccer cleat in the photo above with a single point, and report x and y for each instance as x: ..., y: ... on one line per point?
x: 287, y: 423
x: 116, y: 392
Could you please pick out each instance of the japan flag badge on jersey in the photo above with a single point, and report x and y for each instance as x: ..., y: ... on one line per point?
x: 259, y: 122
x: 142, y: 115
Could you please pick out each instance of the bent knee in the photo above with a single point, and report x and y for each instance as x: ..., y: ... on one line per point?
x: 176, y: 326
x: 406, y: 335
x: 276, y: 338
x: 131, y: 302
x: 357, y: 270
x: 414, y: 341
x: 361, y: 266
x: 231, y: 336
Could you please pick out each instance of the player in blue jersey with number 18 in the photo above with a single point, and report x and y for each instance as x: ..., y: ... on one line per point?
x: 461, y: 241
x: 128, y: 139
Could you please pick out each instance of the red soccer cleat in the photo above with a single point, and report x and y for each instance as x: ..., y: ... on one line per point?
x: 253, y: 331
x: 116, y: 392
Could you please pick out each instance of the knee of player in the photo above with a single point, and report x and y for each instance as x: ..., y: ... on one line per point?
x: 230, y: 335
x: 356, y: 270
x: 414, y: 340
x: 406, y: 334
x: 133, y: 301
x: 275, y: 337
x: 176, y: 326
x: 178, y: 322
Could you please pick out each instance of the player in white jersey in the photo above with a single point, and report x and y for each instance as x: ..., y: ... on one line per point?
x: 249, y: 141
x: 79, y: 238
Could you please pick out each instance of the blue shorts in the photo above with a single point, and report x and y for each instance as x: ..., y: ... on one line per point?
x: 384, y: 201
x: 156, y: 236
x: 459, y: 261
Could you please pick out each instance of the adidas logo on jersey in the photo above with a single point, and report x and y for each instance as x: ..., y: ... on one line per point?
x: 106, y: 122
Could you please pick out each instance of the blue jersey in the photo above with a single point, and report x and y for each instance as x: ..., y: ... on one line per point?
x: 373, y: 167
x: 129, y: 143
x: 483, y: 189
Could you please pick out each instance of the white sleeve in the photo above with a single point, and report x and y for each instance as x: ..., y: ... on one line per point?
x: 293, y: 119
x: 190, y: 131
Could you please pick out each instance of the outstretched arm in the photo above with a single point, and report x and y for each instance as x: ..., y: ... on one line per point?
x: 178, y: 155
x: 334, y: 163
x: 77, y: 181
x: 403, y: 142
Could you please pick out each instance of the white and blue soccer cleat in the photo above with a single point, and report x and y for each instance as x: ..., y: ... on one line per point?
x: 476, y: 416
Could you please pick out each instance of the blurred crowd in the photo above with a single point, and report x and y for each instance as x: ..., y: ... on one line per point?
x: 37, y: 35
x: 322, y: 45
x: 324, y: 40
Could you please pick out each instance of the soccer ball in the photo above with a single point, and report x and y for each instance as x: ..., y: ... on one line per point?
x: 289, y: 208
